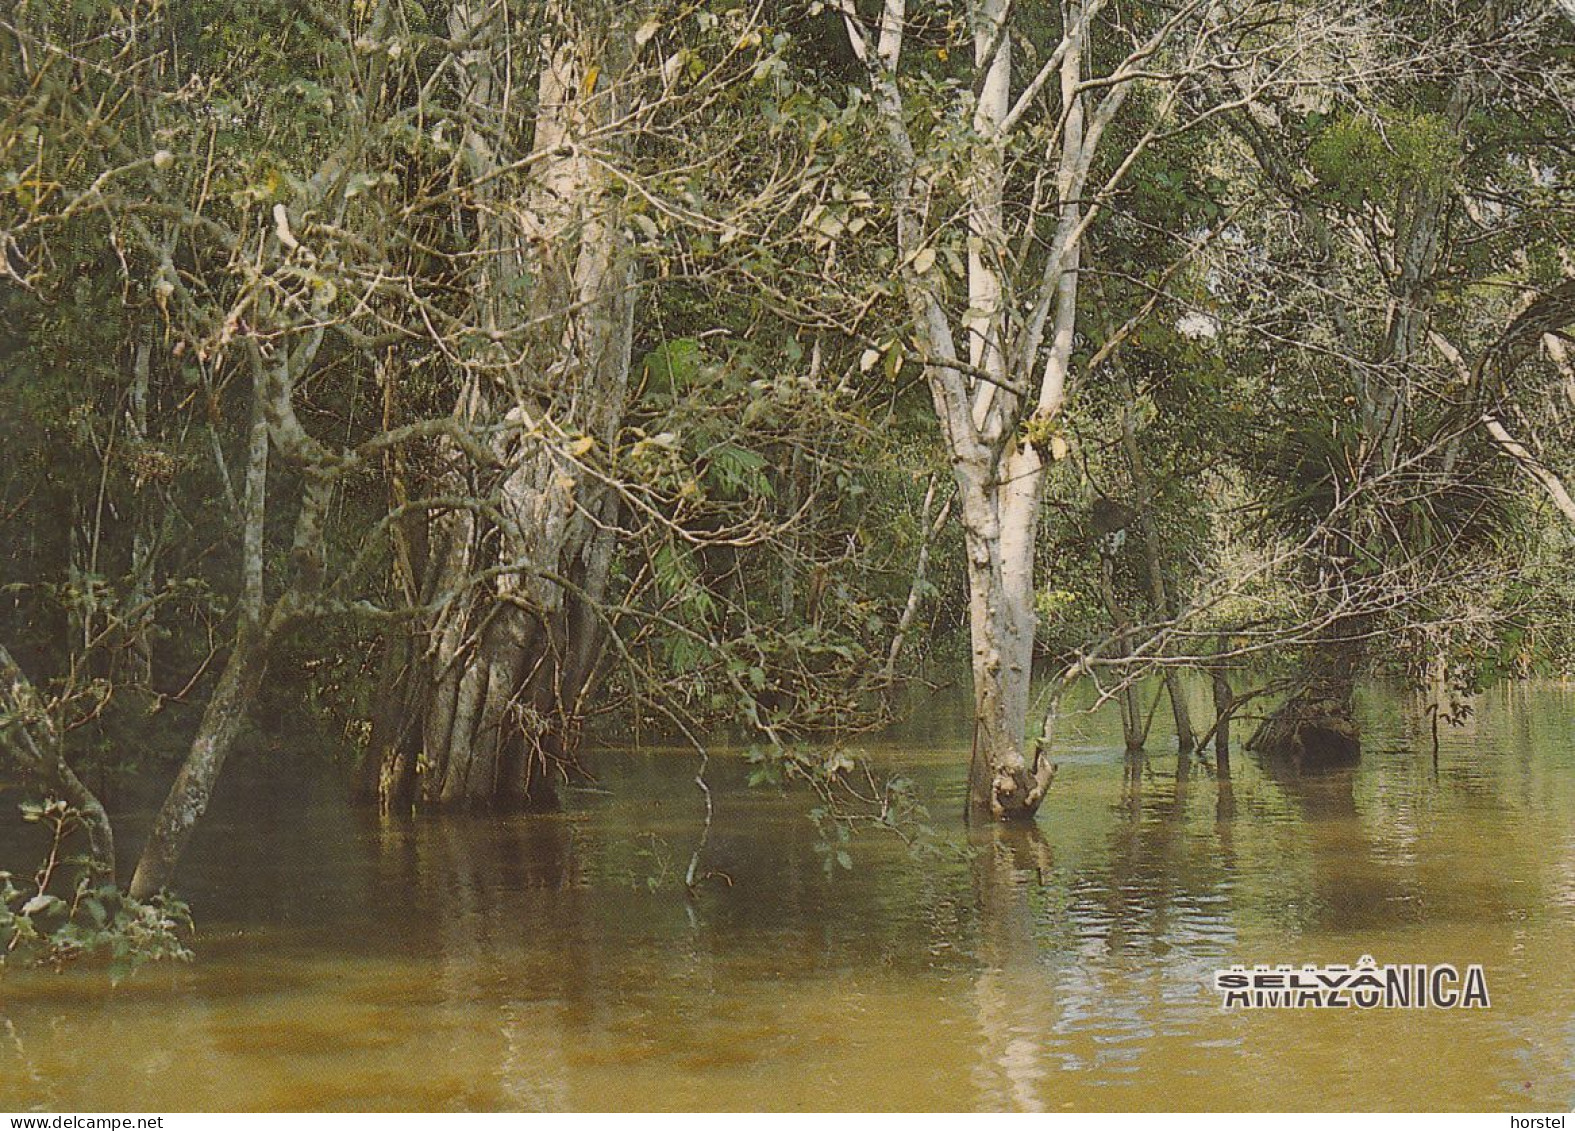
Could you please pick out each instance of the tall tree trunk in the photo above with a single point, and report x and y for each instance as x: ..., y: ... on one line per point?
x: 188, y: 798
x: 1224, y: 707
x: 242, y: 675
x: 388, y: 765
x: 1134, y: 728
x: 929, y: 529
x: 496, y: 696
x: 1016, y: 367
x: 1000, y: 515
x: 139, y: 632
x: 1153, y: 561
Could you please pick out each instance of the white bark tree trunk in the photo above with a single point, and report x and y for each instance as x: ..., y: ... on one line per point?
x: 1000, y: 517
x: 984, y: 395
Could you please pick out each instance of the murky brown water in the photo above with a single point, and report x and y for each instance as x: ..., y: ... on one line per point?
x: 526, y: 962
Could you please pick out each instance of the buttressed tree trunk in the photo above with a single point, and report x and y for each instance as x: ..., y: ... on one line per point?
x: 496, y: 682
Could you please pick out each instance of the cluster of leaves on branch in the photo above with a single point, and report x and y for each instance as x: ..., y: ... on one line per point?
x: 66, y: 913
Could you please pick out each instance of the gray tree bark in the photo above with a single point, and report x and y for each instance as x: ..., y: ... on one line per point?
x: 495, y: 698
x: 226, y: 710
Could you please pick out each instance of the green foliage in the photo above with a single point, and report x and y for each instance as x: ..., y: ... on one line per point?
x: 93, y: 923
x: 672, y: 368
x: 849, y: 799
x: 1362, y: 159
x: 67, y: 915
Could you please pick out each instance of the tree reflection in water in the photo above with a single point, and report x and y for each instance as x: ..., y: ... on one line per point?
x: 490, y: 890
x: 498, y: 961
x: 1014, y: 992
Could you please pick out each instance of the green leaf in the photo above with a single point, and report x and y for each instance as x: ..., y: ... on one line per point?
x: 95, y: 910
x: 673, y: 367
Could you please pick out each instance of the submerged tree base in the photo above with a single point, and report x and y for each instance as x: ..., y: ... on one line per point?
x: 1313, y: 730
x: 1015, y: 794
x: 1008, y: 788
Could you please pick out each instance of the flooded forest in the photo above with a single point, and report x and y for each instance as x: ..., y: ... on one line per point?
x: 841, y: 555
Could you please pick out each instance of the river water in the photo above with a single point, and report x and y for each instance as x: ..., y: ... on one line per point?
x: 554, y: 962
